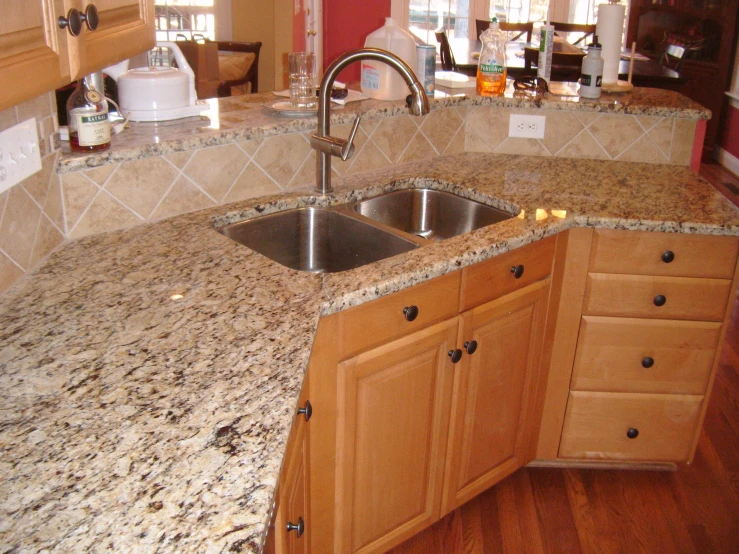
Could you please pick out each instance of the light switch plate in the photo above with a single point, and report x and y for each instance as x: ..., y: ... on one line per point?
x: 20, y: 155
x: 527, y: 126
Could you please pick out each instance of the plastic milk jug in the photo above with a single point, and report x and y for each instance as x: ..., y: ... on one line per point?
x: 379, y: 80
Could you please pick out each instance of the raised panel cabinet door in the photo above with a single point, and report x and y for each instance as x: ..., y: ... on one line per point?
x: 292, y: 513
x: 126, y: 28
x: 33, y: 50
x: 493, y: 395
x: 393, y: 416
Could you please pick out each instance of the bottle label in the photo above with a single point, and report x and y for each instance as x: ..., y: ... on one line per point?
x: 491, y: 68
x: 586, y: 80
x: 370, y: 77
x: 93, y: 129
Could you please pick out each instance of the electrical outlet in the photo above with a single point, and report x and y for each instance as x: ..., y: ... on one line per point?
x: 527, y: 126
x: 19, y: 153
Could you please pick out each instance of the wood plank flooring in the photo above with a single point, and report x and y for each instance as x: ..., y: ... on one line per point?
x: 694, y: 510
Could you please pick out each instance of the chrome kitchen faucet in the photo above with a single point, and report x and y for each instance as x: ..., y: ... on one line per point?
x: 328, y: 146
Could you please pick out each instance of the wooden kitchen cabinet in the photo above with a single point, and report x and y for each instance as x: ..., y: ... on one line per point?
x: 37, y: 56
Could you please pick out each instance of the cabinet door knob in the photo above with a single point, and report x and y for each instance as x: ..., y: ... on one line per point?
x: 517, y: 271
x: 73, y: 22
x: 90, y: 17
x: 668, y: 256
x: 308, y: 410
x: 410, y: 312
x: 632, y: 433
x: 470, y: 346
x: 299, y: 527
x: 660, y: 300
x: 455, y: 355
x: 647, y: 362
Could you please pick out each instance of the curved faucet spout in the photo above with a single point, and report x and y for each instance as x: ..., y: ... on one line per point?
x: 326, y: 144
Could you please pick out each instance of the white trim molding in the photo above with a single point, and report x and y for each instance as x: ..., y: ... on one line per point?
x: 728, y: 161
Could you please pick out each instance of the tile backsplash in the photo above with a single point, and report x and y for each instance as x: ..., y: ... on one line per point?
x: 46, y: 208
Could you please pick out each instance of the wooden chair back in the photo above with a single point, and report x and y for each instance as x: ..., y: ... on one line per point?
x: 251, y: 76
x: 587, y: 30
x: 565, y: 66
x: 445, y: 52
x: 515, y: 30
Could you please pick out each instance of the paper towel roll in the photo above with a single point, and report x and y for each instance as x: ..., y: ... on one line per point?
x: 610, y: 29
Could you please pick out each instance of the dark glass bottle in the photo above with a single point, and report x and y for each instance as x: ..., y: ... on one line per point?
x: 87, y: 118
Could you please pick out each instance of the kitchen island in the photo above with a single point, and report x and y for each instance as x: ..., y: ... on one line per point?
x: 150, y: 376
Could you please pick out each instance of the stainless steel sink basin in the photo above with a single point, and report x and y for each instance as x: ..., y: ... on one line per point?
x: 431, y: 214
x: 317, y: 239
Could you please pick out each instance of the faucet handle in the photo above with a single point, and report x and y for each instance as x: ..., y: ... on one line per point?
x: 348, y: 149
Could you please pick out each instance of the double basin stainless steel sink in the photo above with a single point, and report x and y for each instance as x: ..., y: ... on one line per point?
x: 326, y: 240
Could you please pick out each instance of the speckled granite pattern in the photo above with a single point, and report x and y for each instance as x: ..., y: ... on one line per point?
x: 134, y: 422
x: 243, y: 117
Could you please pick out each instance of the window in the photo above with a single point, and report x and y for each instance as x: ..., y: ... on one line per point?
x: 210, y: 19
x: 425, y: 16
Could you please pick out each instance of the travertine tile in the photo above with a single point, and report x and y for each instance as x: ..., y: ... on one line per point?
x: 473, y: 143
x: 643, y: 150
x: 179, y: 159
x: 100, y: 174
x: 18, y: 227
x: 616, y: 133
x: 140, y: 184
x: 418, y: 149
x: 360, y: 139
x: 586, y: 117
x: 39, y: 107
x: 368, y: 159
x: 282, y: 156
x: 462, y: 111
x: 490, y: 124
x: 441, y: 126
x: 215, y: 169
x: 307, y: 172
x: 561, y: 128
x: 251, y: 183
x: 9, y: 272
x: 393, y: 134
x: 53, y: 205
x: 250, y: 146
x: 583, y: 146
x: 661, y: 135
x: 77, y: 193
x: 8, y: 118
x: 648, y: 121
x: 368, y: 125
x: 104, y: 214
x: 524, y: 146
x: 456, y: 145
x: 37, y: 185
x: 183, y: 197
x: 47, y: 238
x: 682, y: 141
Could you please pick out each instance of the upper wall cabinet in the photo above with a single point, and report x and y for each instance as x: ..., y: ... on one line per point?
x: 47, y: 43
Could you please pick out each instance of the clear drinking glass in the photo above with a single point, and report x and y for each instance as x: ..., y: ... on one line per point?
x: 302, y: 79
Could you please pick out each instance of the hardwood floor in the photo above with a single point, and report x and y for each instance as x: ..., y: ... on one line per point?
x: 694, y: 510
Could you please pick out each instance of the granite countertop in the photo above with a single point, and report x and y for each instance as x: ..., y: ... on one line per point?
x: 244, y: 117
x: 149, y: 377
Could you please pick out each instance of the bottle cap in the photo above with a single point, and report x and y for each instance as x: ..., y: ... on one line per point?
x: 595, y: 43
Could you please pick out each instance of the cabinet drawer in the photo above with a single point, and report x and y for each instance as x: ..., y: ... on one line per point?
x: 597, y: 423
x: 644, y: 355
x: 493, y: 278
x: 636, y: 296
x: 386, y: 318
x: 641, y: 253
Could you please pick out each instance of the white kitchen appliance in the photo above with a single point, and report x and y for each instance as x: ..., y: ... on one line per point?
x: 157, y: 93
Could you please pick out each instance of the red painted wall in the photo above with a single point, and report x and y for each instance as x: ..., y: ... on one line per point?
x: 730, y: 137
x: 346, y: 24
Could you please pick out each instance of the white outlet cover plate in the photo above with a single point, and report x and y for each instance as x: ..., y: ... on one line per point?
x: 527, y: 126
x: 19, y: 154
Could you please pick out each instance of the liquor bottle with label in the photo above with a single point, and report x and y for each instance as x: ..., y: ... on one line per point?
x: 87, y: 117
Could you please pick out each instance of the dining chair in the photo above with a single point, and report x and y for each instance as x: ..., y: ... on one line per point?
x: 587, y: 30
x: 445, y: 52
x: 565, y: 66
x: 526, y: 28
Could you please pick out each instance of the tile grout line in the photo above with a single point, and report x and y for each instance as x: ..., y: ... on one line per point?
x: 13, y: 261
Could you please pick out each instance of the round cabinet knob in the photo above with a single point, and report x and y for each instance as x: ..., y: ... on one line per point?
x: 517, y: 271
x: 660, y: 300
x: 73, y: 22
x: 632, y: 433
x: 299, y: 527
x: 90, y: 17
x: 455, y: 355
x: 470, y: 346
x: 307, y: 411
x: 668, y: 256
x: 410, y: 312
x: 647, y: 362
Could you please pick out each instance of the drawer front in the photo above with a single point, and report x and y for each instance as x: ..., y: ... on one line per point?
x: 641, y: 253
x: 637, y: 296
x: 494, y: 278
x: 598, y: 424
x: 390, y: 317
x: 644, y: 355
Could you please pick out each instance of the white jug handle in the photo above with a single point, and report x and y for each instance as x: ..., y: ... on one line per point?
x: 183, y: 66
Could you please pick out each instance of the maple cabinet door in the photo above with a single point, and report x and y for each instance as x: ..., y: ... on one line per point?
x: 492, y: 407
